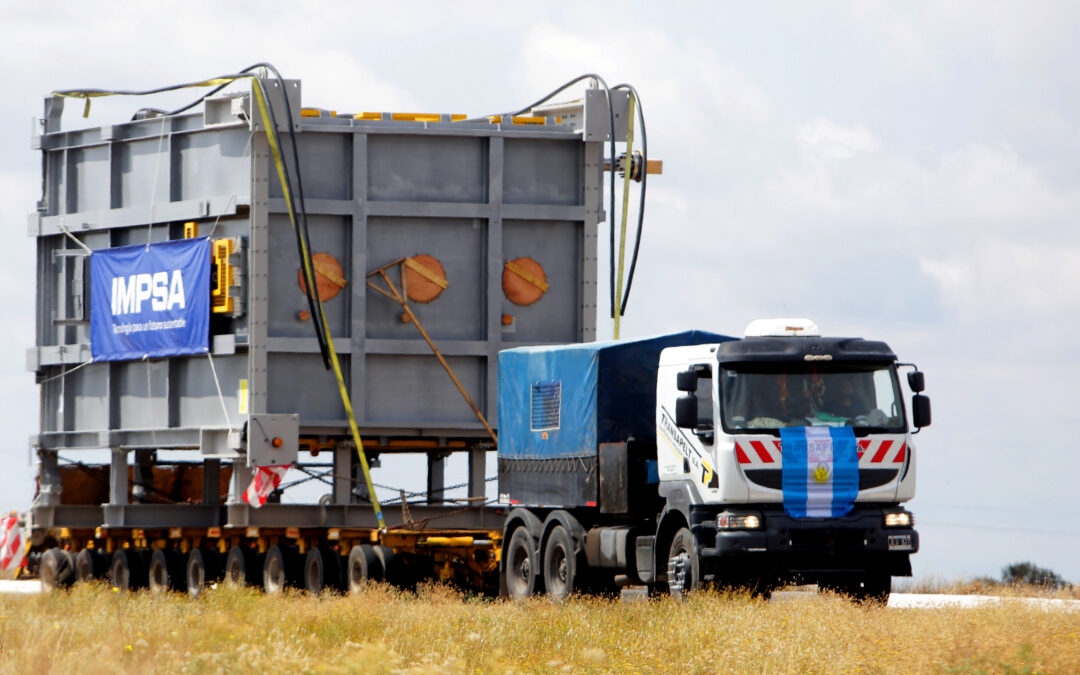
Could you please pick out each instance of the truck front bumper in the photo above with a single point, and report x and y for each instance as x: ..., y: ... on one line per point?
x: 857, y: 541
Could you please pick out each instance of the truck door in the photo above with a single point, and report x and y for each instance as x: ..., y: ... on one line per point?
x: 685, y: 440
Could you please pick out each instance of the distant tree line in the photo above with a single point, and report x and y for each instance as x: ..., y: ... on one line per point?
x: 1029, y: 574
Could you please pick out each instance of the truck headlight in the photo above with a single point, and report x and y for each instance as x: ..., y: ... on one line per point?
x: 899, y: 519
x: 743, y: 521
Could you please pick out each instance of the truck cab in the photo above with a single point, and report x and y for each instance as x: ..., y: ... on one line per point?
x: 726, y: 414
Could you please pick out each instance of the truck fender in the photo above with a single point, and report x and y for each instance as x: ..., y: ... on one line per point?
x: 573, y: 527
x: 522, y: 517
x: 671, y: 521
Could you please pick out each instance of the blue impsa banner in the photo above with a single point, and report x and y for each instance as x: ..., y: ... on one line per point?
x: 150, y: 301
x: 820, y: 471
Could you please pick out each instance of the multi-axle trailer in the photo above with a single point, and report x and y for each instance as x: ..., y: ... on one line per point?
x: 432, y: 242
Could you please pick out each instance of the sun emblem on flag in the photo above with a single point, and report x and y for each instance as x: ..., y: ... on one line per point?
x: 821, y: 473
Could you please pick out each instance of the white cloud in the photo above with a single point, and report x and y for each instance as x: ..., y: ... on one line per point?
x: 1007, y: 280
x: 824, y: 139
x: 681, y: 80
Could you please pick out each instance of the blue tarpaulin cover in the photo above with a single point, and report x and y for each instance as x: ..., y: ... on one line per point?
x: 150, y: 301
x: 562, y: 401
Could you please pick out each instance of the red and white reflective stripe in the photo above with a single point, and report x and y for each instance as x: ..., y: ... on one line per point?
x: 871, y: 451
x: 265, y: 481
x: 757, y: 451
x: 11, y: 544
x: 882, y: 451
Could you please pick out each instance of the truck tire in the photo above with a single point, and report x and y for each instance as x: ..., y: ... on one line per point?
x: 322, y: 570
x: 684, y: 564
x: 242, y: 567
x: 520, y: 566
x: 57, y: 569
x: 560, y: 564
x: 166, y: 572
x: 127, y: 570
x: 363, y: 566
x: 90, y: 565
x: 201, y: 569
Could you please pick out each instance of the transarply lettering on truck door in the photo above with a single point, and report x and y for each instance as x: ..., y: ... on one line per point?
x: 681, y: 446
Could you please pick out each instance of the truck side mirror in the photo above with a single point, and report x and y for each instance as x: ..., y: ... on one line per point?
x: 686, y: 380
x: 916, y: 381
x: 686, y: 411
x: 920, y: 410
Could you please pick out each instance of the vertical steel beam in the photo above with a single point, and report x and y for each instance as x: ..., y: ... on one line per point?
x: 211, y: 482
x: 343, y: 472
x: 493, y: 278
x: 477, y: 472
x: 436, y: 477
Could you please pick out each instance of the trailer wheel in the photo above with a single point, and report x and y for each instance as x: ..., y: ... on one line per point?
x: 201, y: 568
x: 560, y: 564
x: 364, y: 566
x: 684, y: 564
x: 242, y: 567
x: 521, y: 565
x: 90, y: 565
x: 166, y: 571
x: 127, y: 571
x: 57, y: 569
x: 281, y: 568
x: 322, y: 569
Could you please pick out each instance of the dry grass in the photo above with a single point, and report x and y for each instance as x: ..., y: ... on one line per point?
x: 94, y: 629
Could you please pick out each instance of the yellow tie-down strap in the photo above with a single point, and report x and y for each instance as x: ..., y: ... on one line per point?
x: 426, y: 273
x: 527, y: 275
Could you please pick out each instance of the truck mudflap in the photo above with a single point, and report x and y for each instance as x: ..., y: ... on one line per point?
x: 791, y: 547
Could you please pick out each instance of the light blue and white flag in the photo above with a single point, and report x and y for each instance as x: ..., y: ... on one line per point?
x: 820, y: 471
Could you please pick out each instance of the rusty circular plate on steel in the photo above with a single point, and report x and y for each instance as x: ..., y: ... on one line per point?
x: 329, y: 277
x: 519, y: 289
x: 417, y: 286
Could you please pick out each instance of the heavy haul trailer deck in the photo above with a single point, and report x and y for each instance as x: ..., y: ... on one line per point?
x: 464, y: 548
x: 483, y: 231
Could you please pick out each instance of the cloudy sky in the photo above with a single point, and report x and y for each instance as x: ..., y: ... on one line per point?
x: 903, y: 171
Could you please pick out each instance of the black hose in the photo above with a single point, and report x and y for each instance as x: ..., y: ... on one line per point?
x: 317, y: 315
x: 611, y: 128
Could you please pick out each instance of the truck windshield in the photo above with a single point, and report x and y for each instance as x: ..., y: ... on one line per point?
x: 770, y: 396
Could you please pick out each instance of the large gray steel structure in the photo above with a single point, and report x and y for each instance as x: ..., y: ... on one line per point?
x: 472, y: 194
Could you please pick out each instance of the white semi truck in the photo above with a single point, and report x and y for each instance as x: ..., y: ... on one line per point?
x: 780, y: 457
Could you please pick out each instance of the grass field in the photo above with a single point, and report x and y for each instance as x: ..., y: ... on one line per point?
x: 93, y: 629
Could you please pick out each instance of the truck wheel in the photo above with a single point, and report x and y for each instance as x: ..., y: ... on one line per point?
x: 166, y: 571
x: 684, y: 565
x: 321, y: 570
x: 90, y: 565
x: 876, y: 588
x: 560, y: 564
x: 57, y: 569
x: 363, y: 566
x: 242, y: 567
x: 127, y: 571
x: 201, y: 569
x: 521, y: 565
